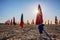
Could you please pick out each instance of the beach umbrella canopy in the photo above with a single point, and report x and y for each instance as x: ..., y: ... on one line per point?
x: 21, y: 22
x: 39, y: 18
x: 28, y: 22
x: 56, y: 20
x: 14, y: 21
x: 32, y: 21
x: 11, y: 22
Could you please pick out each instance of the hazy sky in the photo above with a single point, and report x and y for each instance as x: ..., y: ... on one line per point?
x: 14, y: 8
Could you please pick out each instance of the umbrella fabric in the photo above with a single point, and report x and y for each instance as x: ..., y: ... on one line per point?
x: 56, y: 20
x: 11, y: 22
x: 39, y: 18
x: 21, y: 23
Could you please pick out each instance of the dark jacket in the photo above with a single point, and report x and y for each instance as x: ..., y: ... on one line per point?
x: 41, y: 28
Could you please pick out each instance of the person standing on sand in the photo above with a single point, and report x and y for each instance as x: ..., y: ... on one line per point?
x: 39, y: 22
x: 41, y: 29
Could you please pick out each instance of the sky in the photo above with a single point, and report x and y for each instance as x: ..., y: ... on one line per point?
x: 14, y: 8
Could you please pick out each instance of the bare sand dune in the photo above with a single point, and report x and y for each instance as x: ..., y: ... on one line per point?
x: 29, y: 32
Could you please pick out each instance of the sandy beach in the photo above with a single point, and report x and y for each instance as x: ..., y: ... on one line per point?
x: 29, y: 32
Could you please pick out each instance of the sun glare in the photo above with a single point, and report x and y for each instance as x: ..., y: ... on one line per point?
x: 35, y: 12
